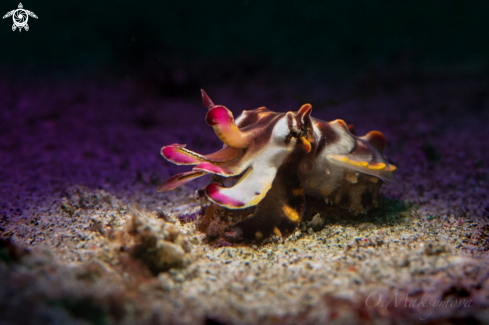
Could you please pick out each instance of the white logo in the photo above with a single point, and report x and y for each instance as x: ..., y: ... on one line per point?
x: 20, y: 17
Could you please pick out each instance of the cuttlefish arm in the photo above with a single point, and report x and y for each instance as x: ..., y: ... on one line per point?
x: 178, y: 180
x: 250, y: 189
x: 222, y: 121
x: 178, y: 154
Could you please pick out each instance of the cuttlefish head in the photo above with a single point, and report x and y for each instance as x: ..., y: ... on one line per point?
x: 256, y: 144
x: 267, y: 139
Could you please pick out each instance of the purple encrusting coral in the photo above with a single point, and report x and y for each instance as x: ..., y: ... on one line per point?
x: 79, y: 160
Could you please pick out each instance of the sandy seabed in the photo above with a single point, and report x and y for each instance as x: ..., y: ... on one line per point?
x: 86, y: 239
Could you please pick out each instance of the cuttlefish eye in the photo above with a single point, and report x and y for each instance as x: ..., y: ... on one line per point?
x: 295, y: 133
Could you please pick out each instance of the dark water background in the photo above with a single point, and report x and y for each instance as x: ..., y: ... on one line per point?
x: 222, y: 40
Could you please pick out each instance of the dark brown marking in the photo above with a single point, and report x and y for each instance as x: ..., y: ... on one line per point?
x: 287, y: 139
x: 283, y: 200
x: 256, y: 117
x: 328, y: 136
x: 351, y: 128
x: 264, y: 129
x: 290, y: 123
x: 376, y: 139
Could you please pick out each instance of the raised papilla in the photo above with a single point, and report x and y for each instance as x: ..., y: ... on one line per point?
x: 279, y: 158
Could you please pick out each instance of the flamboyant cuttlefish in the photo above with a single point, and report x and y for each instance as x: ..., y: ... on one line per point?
x: 278, y: 158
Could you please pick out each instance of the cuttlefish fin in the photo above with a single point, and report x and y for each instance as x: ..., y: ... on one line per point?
x: 382, y: 170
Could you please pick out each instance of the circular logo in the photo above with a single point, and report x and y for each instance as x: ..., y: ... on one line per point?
x: 20, y: 17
